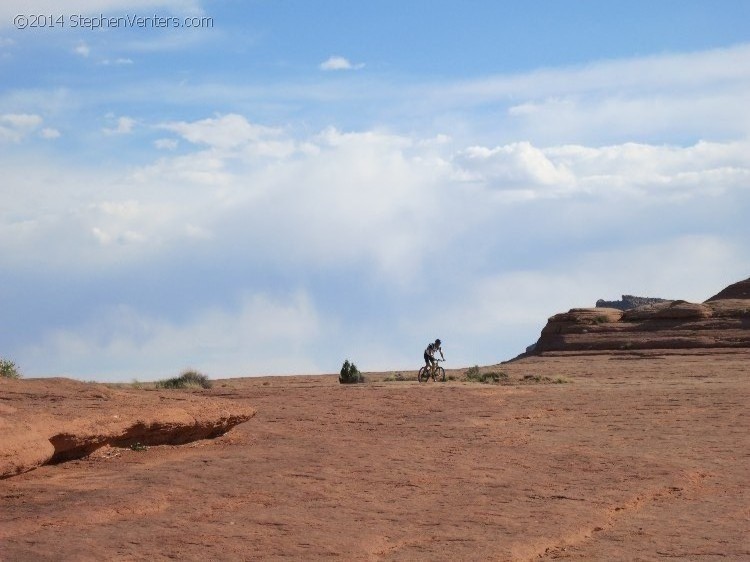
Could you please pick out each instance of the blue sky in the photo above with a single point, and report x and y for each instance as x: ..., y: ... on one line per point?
x: 297, y: 183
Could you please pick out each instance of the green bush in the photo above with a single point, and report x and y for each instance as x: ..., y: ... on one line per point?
x: 9, y: 370
x: 473, y: 374
x: 188, y: 379
x: 350, y: 374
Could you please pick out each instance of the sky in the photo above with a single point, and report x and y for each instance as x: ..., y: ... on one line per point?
x: 271, y: 187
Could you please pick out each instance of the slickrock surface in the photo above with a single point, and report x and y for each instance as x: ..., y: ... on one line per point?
x: 638, y: 457
x: 54, y: 420
x: 721, y: 322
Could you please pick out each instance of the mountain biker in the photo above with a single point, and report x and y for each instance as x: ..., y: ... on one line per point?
x: 429, y: 354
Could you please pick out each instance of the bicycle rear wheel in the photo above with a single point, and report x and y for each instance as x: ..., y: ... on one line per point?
x: 423, y: 374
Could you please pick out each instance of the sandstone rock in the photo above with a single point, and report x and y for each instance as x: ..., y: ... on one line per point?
x: 739, y: 290
x: 669, y: 310
x: 721, y: 322
x: 80, y: 418
x: 732, y: 308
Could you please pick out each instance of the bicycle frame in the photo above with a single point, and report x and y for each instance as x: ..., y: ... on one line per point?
x: 434, y: 371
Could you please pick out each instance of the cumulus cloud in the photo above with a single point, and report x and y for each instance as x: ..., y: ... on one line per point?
x: 512, y: 166
x: 227, y: 131
x: 339, y: 63
x: 630, y: 167
x: 14, y: 127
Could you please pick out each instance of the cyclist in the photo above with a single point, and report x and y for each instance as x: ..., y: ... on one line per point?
x: 429, y: 355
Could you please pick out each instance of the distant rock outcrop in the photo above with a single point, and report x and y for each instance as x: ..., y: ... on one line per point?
x: 628, y: 302
x: 722, y: 322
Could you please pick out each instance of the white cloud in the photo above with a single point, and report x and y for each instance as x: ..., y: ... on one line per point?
x: 339, y: 63
x: 49, y: 133
x: 82, y: 49
x: 637, y: 169
x: 166, y: 144
x: 665, y: 97
x: 14, y: 127
x: 261, y: 334
x: 124, y: 126
x: 514, y: 165
x: 117, y: 62
x: 227, y: 131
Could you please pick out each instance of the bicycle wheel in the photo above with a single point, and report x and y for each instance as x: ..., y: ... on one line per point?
x: 423, y: 374
x: 440, y: 374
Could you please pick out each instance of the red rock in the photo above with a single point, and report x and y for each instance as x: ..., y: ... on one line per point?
x: 721, y: 322
x: 55, y: 419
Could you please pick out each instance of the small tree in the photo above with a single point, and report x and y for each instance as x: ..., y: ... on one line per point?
x: 9, y: 370
x: 350, y: 374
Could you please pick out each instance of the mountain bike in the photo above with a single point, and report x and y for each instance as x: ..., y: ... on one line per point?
x: 435, y: 371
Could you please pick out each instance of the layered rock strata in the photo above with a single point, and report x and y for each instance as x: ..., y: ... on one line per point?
x: 721, y: 322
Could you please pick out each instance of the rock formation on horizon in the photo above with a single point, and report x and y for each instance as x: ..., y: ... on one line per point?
x: 628, y: 302
x: 721, y: 322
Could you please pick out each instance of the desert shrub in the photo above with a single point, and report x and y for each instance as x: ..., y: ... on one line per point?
x: 541, y: 379
x: 473, y: 374
x: 494, y: 376
x: 350, y: 374
x: 188, y: 379
x: 395, y: 377
x: 8, y: 370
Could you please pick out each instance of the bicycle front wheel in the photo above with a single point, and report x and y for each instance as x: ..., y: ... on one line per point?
x: 440, y: 374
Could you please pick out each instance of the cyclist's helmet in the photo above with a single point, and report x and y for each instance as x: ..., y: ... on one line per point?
x: 437, y: 341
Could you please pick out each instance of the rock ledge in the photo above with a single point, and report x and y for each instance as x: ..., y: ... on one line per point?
x: 44, y: 421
